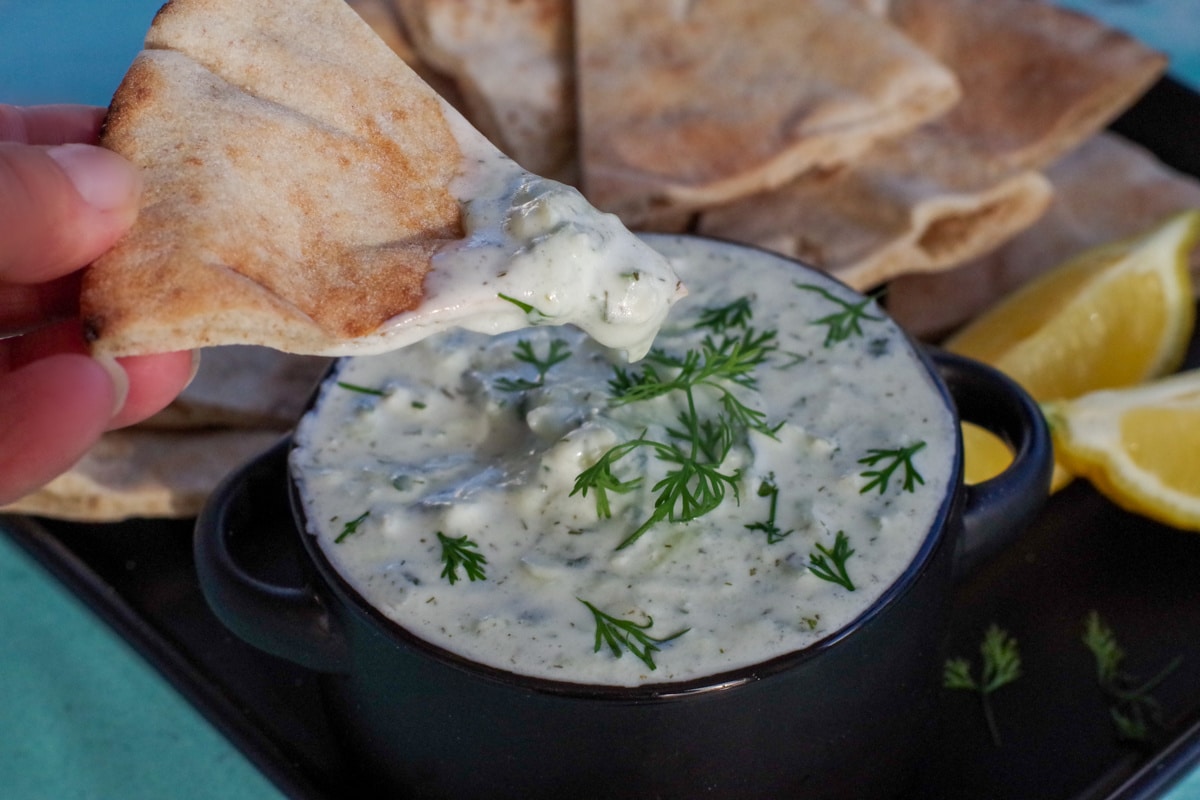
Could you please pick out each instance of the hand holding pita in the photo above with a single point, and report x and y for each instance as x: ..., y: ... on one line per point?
x: 63, y: 202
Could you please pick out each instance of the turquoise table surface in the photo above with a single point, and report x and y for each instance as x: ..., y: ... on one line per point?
x: 81, y: 714
x: 83, y: 717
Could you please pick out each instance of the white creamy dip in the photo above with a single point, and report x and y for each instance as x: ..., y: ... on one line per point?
x: 535, y: 252
x: 456, y: 436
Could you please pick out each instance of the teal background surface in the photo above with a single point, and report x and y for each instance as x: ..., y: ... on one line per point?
x: 81, y: 714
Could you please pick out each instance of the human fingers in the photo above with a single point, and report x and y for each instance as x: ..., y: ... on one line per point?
x: 50, y: 124
x: 26, y: 306
x: 152, y: 382
x: 143, y: 385
x: 61, y: 207
x: 54, y: 409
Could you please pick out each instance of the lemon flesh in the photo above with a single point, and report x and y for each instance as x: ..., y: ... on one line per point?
x: 1138, y: 446
x: 985, y: 454
x: 1114, y: 316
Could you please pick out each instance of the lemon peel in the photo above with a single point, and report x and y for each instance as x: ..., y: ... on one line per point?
x: 1137, y: 446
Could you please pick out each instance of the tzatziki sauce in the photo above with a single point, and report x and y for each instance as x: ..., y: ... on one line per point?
x: 533, y: 502
x: 534, y: 252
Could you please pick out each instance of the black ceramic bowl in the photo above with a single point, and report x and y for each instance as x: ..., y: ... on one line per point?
x: 844, y: 717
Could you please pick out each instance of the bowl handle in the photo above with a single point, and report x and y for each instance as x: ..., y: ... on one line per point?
x: 998, y: 510
x: 247, y: 560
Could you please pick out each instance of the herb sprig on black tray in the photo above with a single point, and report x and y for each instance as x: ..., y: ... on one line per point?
x: 1132, y: 708
x: 1001, y: 666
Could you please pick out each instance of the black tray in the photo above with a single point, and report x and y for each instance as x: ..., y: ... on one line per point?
x: 1057, y: 740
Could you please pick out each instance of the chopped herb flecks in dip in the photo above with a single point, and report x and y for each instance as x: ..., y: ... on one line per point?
x: 533, y: 502
x: 533, y: 252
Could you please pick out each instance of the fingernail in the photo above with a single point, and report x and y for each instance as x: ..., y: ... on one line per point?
x: 195, y: 368
x: 120, y: 381
x: 103, y: 179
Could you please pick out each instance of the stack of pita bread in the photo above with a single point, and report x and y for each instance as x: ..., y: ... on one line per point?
x: 949, y: 149
x: 870, y: 138
x: 242, y: 400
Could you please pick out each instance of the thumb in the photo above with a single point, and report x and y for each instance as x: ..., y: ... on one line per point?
x: 61, y: 207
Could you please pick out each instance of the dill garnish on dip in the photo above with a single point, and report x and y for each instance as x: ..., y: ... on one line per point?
x: 533, y: 502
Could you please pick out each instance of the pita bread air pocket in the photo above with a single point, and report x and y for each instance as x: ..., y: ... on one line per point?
x: 305, y: 190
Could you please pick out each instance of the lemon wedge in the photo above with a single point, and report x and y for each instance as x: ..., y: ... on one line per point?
x: 985, y: 455
x: 1137, y: 446
x: 1113, y: 316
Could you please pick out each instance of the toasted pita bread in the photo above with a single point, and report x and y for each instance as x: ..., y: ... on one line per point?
x: 1037, y: 79
x: 877, y: 7
x: 513, y: 64
x: 692, y: 104
x: 308, y: 192
x: 138, y: 473
x: 865, y: 225
x: 968, y: 181
x: 384, y: 18
x: 1105, y: 190
x: 297, y: 182
x: 240, y: 386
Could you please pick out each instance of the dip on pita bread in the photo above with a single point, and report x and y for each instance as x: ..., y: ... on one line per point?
x: 307, y: 191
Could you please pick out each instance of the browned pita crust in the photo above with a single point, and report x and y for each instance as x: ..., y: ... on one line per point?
x: 693, y: 103
x: 1037, y: 79
x: 138, y: 473
x: 1106, y: 190
x: 384, y: 18
x: 513, y: 64
x: 297, y: 182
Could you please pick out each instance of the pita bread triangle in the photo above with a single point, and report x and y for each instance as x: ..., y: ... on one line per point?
x: 1087, y: 211
x: 684, y: 105
x: 963, y: 184
x: 301, y: 185
x: 135, y: 472
x: 512, y: 63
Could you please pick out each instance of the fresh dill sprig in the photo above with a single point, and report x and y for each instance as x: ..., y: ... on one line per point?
x: 1001, y: 666
x: 354, y: 387
x: 768, y: 488
x: 351, y: 527
x: 841, y: 325
x: 461, y: 552
x: 732, y: 359
x: 526, y: 307
x: 618, y: 633
x: 694, y: 487
x: 830, y: 565
x: 899, y: 456
x: 732, y: 315
x: 695, y: 448
x: 1132, y: 708
x: 525, y: 353
x: 599, y: 477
